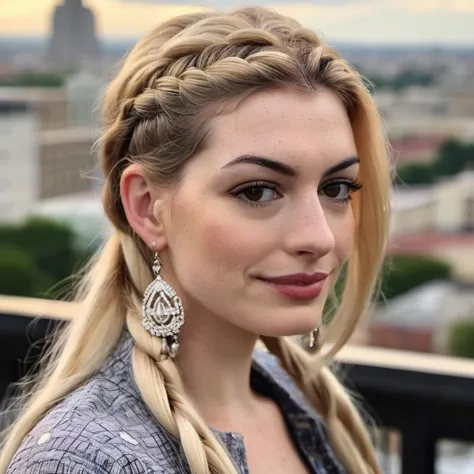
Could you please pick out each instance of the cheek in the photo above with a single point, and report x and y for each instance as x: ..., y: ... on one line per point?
x: 232, y: 241
x: 215, y: 245
x: 343, y: 231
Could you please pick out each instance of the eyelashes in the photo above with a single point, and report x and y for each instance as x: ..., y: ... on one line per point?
x: 348, y: 185
x: 263, y: 193
x: 256, y: 188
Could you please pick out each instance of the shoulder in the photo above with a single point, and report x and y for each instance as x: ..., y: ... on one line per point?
x: 70, y: 443
x: 77, y: 436
x: 60, y: 456
x: 100, y: 428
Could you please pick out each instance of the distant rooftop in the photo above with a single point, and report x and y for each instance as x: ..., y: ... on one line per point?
x: 421, y: 307
x: 31, y: 95
x: 69, y: 135
x: 416, y: 148
x: 410, y: 198
x: 423, y: 242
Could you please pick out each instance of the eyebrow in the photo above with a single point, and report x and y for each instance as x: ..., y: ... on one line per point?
x: 348, y: 162
x: 285, y: 169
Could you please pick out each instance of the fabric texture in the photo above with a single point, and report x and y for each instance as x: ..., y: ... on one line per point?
x: 103, y: 427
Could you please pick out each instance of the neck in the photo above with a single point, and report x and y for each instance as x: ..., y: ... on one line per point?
x: 215, y: 360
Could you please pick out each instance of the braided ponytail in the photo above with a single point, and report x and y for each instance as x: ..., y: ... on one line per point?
x: 159, y: 382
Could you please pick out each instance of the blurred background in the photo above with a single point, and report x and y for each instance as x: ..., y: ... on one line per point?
x: 56, y: 58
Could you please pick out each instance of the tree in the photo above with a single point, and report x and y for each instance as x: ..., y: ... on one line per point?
x: 453, y: 157
x: 410, y: 78
x: 415, y: 173
x: 401, y: 81
x: 405, y: 272
x: 51, y: 245
x: 461, y: 338
x: 33, y: 80
x: 51, y: 250
x: 19, y: 275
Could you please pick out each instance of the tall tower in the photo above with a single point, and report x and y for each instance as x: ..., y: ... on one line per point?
x: 74, y: 38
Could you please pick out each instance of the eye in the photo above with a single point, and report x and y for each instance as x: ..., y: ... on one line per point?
x: 256, y: 194
x: 340, y: 190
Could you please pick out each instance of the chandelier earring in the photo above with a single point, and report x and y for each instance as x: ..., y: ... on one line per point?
x: 162, y: 310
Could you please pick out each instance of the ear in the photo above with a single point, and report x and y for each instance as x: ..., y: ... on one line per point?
x: 141, y: 202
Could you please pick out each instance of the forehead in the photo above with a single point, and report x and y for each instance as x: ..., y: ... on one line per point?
x: 283, y: 124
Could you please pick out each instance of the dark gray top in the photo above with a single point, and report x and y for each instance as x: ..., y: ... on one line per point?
x: 103, y: 427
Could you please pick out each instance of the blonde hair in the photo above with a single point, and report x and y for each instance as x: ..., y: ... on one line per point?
x: 154, y: 114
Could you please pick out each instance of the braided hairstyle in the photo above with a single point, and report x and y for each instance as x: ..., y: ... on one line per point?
x: 183, y: 72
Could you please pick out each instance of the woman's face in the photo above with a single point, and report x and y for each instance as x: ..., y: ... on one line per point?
x: 268, y: 197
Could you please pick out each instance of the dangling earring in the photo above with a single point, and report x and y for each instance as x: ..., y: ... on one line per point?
x: 162, y: 311
x: 313, y: 339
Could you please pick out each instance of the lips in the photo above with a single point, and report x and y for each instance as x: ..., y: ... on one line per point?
x: 300, y: 279
x: 300, y: 286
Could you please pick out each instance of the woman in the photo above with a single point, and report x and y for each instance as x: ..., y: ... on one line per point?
x: 235, y: 151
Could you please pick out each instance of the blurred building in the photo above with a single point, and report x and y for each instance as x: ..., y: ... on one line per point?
x: 411, y: 102
x: 38, y: 162
x: 74, y: 105
x: 83, y: 91
x: 419, y: 148
x: 49, y: 105
x: 419, y: 320
x: 74, y: 41
x: 19, y: 160
x: 453, y: 127
x: 439, y: 221
x: 461, y: 101
x: 66, y: 161
x: 447, y: 207
x: 446, y: 110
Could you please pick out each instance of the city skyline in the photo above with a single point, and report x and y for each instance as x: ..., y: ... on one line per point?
x: 424, y: 21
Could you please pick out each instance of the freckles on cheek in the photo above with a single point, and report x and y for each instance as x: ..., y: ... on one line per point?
x: 345, y: 248
x: 344, y: 239
x: 220, y: 241
x: 229, y: 242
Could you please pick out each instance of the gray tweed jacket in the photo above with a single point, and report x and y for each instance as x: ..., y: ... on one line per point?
x: 103, y: 427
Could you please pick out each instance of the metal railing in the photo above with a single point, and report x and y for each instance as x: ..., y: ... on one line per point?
x: 426, y: 398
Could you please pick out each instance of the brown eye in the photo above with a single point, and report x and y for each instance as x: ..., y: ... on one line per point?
x: 257, y: 193
x: 338, y: 191
x: 254, y: 194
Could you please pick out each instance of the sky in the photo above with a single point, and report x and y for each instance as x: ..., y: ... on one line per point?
x: 367, y: 21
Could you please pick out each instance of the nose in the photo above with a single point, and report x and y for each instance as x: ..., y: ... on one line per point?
x: 309, y: 232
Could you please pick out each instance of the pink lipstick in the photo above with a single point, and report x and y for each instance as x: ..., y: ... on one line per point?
x: 299, y: 286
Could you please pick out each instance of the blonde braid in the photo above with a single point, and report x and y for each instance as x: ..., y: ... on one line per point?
x: 159, y: 382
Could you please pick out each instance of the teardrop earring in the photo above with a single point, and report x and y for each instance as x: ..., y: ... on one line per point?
x: 314, y: 339
x: 162, y: 310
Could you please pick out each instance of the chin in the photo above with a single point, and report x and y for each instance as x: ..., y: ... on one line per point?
x: 290, y: 322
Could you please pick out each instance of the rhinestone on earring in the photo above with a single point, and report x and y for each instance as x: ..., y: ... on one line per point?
x: 162, y: 310
x: 313, y: 339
